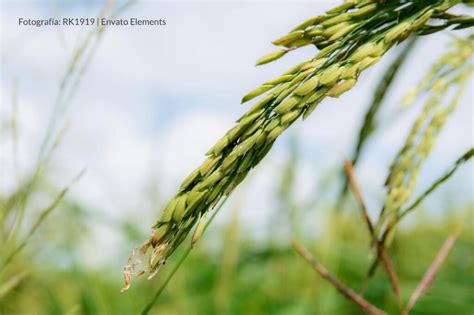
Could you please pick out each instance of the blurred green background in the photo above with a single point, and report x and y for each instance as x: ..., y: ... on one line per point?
x: 138, y: 110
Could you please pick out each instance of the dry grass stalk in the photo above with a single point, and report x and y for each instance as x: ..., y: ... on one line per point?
x: 383, y: 256
x: 341, y: 287
x: 381, y: 250
x: 430, y: 274
x: 355, y: 188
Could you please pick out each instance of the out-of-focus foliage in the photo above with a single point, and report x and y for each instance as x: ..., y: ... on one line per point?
x: 261, y: 277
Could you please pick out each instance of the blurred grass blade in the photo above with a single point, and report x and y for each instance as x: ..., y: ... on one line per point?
x: 228, y: 266
x: 68, y: 85
x: 358, y: 195
x: 28, y: 189
x: 287, y: 213
x: 463, y: 159
x: 341, y: 287
x: 382, y: 254
x: 43, y: 215
x: 10, y: 284
x: 14, y: 129
x: 433, y: 269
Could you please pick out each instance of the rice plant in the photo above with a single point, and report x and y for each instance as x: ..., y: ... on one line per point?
x: 446, y: 82
x: 359, y: 262
x: 350, y: 38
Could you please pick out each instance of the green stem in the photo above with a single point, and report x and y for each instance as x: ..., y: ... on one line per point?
x: 165, y: 283
x: 464, y: 158
x: 149, y: 306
